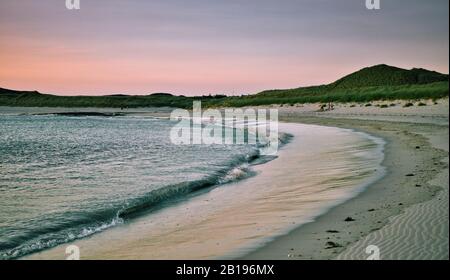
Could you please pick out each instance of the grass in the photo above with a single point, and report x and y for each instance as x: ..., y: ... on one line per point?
x: 319, y: 94
x: 323, y: 94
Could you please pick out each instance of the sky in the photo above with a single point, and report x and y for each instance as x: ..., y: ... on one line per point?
x: 195, y: 47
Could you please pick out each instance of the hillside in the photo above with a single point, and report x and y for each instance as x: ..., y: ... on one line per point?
x: 385, y: 75
x: 376, y: 76
x: 380, y: 82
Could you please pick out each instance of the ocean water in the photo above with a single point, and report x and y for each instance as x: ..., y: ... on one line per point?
x: 64, y: 178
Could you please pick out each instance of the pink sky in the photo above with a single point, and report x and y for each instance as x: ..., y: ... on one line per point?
x: 234, y: 47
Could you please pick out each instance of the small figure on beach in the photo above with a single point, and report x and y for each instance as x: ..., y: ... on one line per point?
x: 326, y: 107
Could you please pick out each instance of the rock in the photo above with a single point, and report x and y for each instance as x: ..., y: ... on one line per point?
x: 349, y: 219
x: 410, y: 175
x: 371, y: 210
x: 332, y: 231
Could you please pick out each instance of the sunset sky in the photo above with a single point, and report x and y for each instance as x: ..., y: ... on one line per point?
x: 196, y: 47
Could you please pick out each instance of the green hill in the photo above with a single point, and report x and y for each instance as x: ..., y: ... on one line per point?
x: 385, y: 75
x: 376, y: 76
x: 380, y: 82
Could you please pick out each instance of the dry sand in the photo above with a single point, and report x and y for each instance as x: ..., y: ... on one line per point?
x: 405, y: 214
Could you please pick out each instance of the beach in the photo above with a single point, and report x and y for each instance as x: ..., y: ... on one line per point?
x: 405, y: 214
x: 387, y: 210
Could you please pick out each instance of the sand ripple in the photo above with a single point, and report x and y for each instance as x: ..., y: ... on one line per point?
x: 420, y: 232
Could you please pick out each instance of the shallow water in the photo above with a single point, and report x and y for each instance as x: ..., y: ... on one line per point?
x: 63, y: 178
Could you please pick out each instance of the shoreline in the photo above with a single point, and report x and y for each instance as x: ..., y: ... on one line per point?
x: 412, y: 162
x: 330, y: 235
x: 271, y: 200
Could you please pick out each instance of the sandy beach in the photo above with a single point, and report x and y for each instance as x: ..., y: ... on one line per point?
x: 405, y: 214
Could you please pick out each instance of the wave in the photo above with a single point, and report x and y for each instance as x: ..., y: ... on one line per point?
x: 236, y: 171
x: 53, y: 239
x: 81, y: 225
